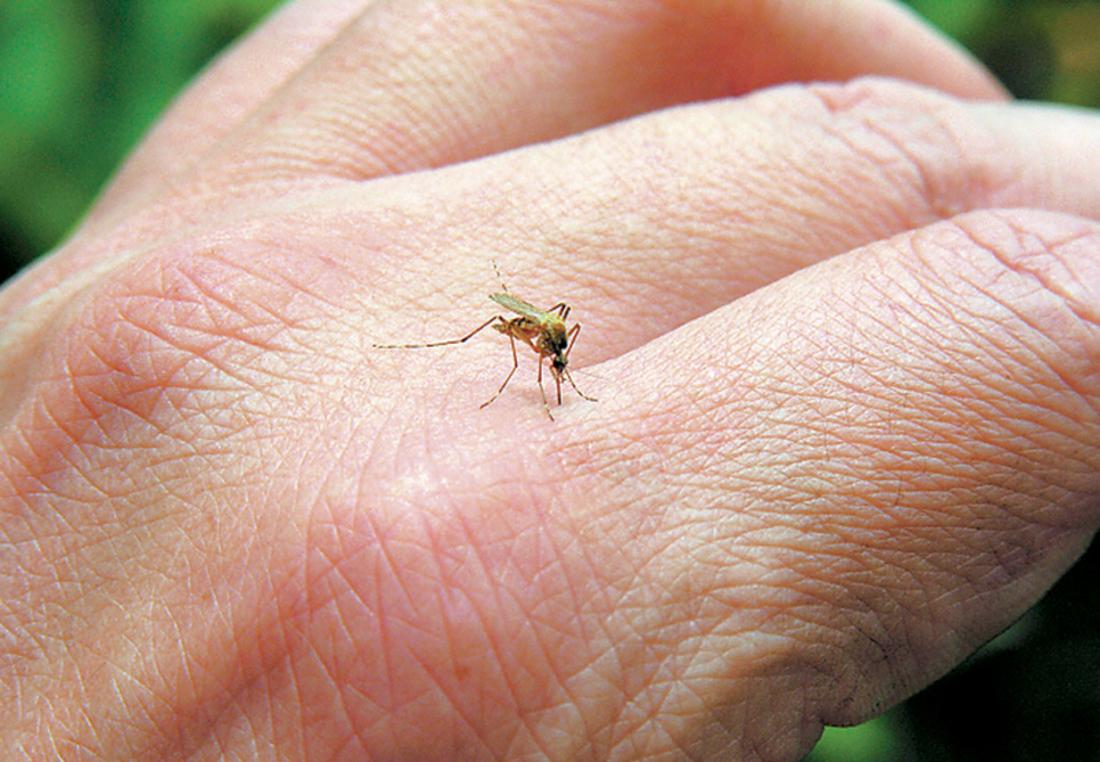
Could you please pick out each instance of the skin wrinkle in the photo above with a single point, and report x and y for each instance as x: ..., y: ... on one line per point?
x: 627, y: 678
x: 952, y: 155
x: 998, y: 397
x: 1010, y: 342
x: 942, y: 202
x: 280, y: 616
x: 345, y: 690
x: 297, y: 703
x: 673, y: 654
x: 209, y: 731
x: 452, y: 639
x: 324, y: 725
x: 1020, y: 262
x: 496, y: 648
x: 1067, y: 382
x: 205, y: 113
x: 606, y: 643
x: 379, y: 142
x: 644, y: 699
x: 561, y: 681
x: 189, y: 350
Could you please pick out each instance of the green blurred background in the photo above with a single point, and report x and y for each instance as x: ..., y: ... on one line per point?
x: 82, y: 80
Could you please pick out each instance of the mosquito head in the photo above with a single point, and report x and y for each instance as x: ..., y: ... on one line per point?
x: 558, y: 364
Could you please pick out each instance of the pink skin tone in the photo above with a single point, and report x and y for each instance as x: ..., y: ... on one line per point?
x: 844, y: 337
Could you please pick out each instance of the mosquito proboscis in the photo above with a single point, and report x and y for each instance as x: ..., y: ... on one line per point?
x: 544, y: 331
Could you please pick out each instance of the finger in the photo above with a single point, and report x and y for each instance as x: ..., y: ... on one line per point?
x: 670, y: 215
x: 877, y: 463
x: 419, y: 84
x: 648, y: 224
x: 231, y: 88
x: 409, y: 85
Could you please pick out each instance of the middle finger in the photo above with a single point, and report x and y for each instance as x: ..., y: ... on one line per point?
x: 647, y: 224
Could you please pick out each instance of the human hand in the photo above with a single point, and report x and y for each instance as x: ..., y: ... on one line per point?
x: 844, y: 339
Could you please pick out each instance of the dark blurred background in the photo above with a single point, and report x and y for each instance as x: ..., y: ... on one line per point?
x: 82, y: 80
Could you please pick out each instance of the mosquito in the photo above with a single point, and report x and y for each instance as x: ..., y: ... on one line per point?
x: 544, y: 331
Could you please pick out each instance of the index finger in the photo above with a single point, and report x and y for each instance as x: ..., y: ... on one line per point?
x: 405, y: 86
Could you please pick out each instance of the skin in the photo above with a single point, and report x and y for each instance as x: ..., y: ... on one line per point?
x: 844, y: 337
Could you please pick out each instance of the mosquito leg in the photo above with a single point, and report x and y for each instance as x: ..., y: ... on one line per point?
x: 515, y: 364
x: 561, y: 308
x: 571, y: 339
x: 569, y: 376
x: 542, y: 389
x: 464, y: 339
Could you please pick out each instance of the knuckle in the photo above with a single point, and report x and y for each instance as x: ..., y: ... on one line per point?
x: 917, y: 140
x: 169, y: 328
x: 1020, y: 289
x: 1043, y: 270
x: 1050, y: 254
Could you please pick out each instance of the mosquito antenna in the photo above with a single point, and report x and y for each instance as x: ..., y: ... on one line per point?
x: 503, y: 285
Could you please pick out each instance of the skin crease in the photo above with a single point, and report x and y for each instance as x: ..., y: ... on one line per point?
x: 844, y: 339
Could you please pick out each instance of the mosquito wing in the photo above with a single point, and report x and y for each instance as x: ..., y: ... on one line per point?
x: 520, y: 307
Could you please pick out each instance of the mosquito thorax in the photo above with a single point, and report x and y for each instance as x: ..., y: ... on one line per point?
x: 556, y: 338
